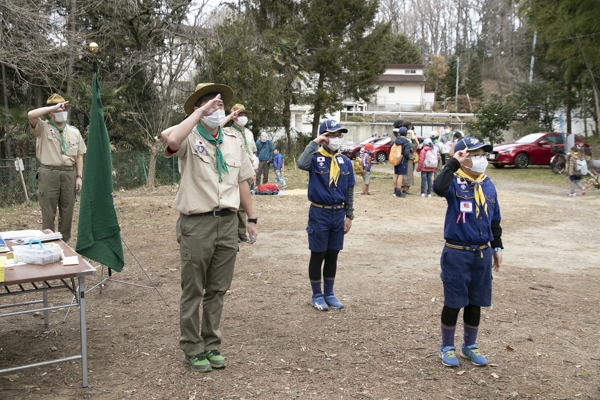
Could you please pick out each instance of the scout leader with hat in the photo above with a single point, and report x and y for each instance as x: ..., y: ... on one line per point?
x: 473, y: 246
x: 214, y: 180
x: 331, y: 195
x: 239, y: 116
x: 60, y: 148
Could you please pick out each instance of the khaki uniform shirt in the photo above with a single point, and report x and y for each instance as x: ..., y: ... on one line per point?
x: 251, y: 149
x: 48, y: 148
x: 199, y: 189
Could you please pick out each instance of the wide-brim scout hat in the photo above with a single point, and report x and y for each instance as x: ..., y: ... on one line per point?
x: 55, y: 99
x: 206, y: 88
x: 471, y: 143
x: 241, y: 108
x: 331, y: 125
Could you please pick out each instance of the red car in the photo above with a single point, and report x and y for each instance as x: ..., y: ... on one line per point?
x: 351, y: 150
x: 381, y: 148
x: 532, y: 149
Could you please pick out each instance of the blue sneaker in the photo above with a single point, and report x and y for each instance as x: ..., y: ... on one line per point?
x: 472, y: 353
x: 448, y: 356
x: 318, y: 302
x: 333, y: 302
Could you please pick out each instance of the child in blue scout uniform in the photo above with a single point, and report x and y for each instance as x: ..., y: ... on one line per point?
x: 473, y: 246
x: 331, y: 193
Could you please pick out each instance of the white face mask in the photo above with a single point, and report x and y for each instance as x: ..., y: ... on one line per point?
x: 334, y: 144
x: 213, y: 120
x: 263, y: 138
x: 447, y: 130
x: 242, y: 121
x: 479, y: 164
x: 60, y: 116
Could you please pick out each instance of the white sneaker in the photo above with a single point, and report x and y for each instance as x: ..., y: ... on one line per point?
x: 422, y: 194
x: 428, y: 195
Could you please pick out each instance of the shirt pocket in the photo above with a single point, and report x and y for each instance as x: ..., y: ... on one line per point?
x: 72, y: 144
x: 466, y: 195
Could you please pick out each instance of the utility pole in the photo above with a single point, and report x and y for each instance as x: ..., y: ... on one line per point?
x: 456, y: 94
x: 532, y: 58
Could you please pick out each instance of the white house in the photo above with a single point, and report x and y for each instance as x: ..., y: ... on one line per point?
x: 401, y: 88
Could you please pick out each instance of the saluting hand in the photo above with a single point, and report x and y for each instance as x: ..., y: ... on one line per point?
x: 461, y: 155
x: 322, y: 139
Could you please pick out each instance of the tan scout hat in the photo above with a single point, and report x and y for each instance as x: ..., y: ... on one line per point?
x: 206, y: 88
x: 55, y: 99
x: 241, y: 108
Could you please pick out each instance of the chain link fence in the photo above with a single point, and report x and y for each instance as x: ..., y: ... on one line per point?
x: 130, y: 171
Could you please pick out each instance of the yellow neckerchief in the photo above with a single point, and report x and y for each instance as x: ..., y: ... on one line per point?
x: 334, y: 170
x: 477, y: 191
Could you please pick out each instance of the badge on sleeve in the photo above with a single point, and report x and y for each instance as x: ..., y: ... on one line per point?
x: 200, y: 146
x: 466, y: 207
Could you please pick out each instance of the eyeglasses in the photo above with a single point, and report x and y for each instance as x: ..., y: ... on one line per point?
x: 335, y: 135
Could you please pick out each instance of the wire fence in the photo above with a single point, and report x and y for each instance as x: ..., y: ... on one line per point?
x: 130, y: 171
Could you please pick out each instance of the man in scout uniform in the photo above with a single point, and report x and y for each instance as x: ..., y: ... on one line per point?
x: 473, y: 246
x: 59, y: 147
x: 214, y: 180
x: 239, y: 116
x: 331, y: 195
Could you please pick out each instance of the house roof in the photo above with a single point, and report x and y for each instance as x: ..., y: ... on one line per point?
x: 407, y: 66
x: 400, y: 78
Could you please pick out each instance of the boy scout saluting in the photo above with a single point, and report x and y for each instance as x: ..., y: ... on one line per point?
x: 214, y: 173
x: 60, y: 148
x: 473, y: 246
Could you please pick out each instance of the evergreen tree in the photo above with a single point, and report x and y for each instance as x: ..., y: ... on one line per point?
x: 474, y: 86
x: 403, y: 51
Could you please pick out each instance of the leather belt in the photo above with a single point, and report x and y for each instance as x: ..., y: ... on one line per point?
x: 334, y: 207
x: 217, y: 213
x: 59, y: 168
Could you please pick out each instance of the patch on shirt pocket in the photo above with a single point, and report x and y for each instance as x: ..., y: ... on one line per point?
x: 186, y: 256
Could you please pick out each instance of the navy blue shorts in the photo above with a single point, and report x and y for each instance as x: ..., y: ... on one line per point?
x: 325, y: 229
x: 401, y: 169
x: 467, y: 277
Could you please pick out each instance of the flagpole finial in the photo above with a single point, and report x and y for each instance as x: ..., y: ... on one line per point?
x: 93, y: 47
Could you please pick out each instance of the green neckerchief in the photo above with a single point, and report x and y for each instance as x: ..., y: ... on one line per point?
x: 241, y: 130
x: 221, y: 165
x: 62, y: 137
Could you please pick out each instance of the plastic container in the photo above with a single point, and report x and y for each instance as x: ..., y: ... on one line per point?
x: 37, y: 253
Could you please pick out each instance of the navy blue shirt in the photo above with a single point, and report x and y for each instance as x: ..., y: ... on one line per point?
x: 461, y: 224
x: 318, y: 167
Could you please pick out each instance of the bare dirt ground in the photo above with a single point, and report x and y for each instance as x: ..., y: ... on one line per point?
x: 541, y: 336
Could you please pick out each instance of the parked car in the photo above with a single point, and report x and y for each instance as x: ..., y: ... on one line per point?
x: 533, y: 149
x: 351, y: 150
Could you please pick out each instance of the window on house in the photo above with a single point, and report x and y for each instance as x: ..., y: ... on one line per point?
x: 410, y: 71
x: 392, y: 89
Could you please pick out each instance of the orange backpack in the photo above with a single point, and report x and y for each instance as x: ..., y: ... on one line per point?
x: 395, y: 157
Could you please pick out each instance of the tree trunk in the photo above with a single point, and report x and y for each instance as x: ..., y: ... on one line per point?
x: 318, y: 111
x: 287, y: 122
x: 6, y: 143
x: 71, y: 43
x: 156, y: 146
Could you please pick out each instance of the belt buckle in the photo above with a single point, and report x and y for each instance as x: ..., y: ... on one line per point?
x: 473, y: 247
x: 216, y: 213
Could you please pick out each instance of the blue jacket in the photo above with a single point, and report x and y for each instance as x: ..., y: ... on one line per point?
x: 277, y: 161
x: 264, y: 151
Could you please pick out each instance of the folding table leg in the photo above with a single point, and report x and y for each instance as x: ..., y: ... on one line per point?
x: 83, y: 332
x: 45, y: 297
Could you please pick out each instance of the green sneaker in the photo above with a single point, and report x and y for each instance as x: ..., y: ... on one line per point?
x: 199, y: 363
x: 215, y: 358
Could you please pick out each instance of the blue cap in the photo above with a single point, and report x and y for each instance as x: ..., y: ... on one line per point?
x: 331, y: 125
x: 402, y: 131
x: 427, y: 142
x: 471, y: 143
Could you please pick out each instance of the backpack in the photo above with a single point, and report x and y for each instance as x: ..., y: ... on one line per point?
x: 395, y: 157
x: 431, y: 160
x: 581, y: 169
x: 358, y: 168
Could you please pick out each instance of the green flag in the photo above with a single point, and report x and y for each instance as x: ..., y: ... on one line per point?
x: 98, y: 234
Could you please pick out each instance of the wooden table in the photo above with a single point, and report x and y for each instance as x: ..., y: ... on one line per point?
x: 30, y: 278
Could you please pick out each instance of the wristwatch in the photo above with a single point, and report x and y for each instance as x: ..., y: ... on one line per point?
x: 253, y: 220
x: 350, y: 216
x: 497, y: 249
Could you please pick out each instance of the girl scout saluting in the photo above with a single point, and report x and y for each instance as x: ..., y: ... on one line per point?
x: 473, y: 246
x: 331, y: 194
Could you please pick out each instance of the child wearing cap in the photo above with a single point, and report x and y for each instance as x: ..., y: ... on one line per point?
x: 331, y: 195
x: 572, y: 173
x: 366, y: 161
x: 473, y: 246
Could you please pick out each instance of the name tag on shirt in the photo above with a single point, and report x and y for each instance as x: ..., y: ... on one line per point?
x: 466, y: 207
x: 340, y: 160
